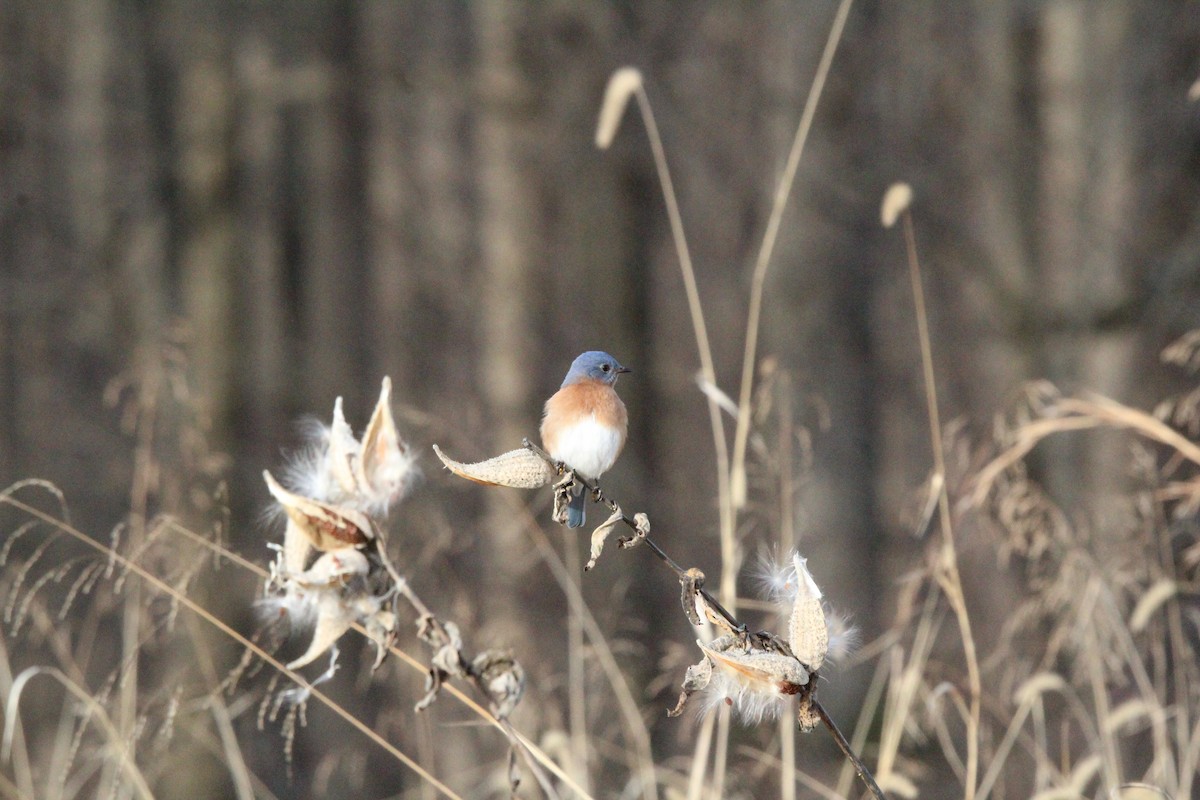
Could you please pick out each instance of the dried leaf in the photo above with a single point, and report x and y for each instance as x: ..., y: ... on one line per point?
x: 696, y: 679
x: 807, y: 718
x: 691, y: 582
x: 600, y: 535
x: 519, y: 469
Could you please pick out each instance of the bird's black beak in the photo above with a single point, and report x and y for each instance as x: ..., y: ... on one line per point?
x: 621, y: 370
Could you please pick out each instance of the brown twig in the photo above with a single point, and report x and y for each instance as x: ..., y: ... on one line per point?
x: 640, y: 537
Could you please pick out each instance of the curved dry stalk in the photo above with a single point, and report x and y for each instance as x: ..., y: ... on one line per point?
x: 125, y: 760
x: 164, y: 587
x: 758, y: 281
x: 1082, y: 414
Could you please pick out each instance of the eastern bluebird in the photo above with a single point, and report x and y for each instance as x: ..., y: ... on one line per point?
x: 585, y: 423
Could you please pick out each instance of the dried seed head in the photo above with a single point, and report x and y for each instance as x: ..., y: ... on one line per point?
x: 621, y: 86
x: 321, y: 525
x: 502, y: 677
x: 896, y: 201
x: 368, y: 476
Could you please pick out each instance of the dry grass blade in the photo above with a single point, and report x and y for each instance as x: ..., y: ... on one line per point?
x: 185, y: 601
x: 947, y: 573
x: 758, y: 282
x: 1074, y: 414
x: 124, y: 759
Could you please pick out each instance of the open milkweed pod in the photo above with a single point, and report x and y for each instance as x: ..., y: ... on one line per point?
x: 808, y: 630
x: 385, y: 465
x: 757, y: 683
x: 760, y: 671
x: 341, y: 455
x: 319, y: 525
x: 519, y: 469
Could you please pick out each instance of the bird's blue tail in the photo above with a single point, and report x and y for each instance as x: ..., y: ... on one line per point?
x: 575, y: 515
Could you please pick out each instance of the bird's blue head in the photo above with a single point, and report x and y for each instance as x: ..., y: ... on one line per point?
x: 594, y: 365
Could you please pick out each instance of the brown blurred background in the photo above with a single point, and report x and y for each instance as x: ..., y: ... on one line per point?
x: 311, y: 195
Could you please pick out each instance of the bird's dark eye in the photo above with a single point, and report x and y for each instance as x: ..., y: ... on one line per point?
x: 606, y: 368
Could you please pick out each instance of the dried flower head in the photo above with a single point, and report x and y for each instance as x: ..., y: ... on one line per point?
x: 332, y: 570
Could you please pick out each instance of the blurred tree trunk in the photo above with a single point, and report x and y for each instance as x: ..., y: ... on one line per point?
x: 1083, y: 228
x: 267, y: 321
x: 508, y: 234
x: 204, y: 116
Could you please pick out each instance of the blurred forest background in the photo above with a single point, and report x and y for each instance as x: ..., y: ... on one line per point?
x: 277, y: 203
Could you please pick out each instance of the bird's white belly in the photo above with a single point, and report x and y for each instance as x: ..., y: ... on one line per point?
x: 588, y: 447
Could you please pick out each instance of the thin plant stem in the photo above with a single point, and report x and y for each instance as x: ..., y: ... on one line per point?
x: 700, y: 758
x: 949, y: 577
x: 863, y: 773
x: 787, y: 536
x: 576, y: 700
x: 707, y: 369
x: 759, y: 279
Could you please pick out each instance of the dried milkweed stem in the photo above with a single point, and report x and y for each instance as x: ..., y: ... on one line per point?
x: 640, y: 537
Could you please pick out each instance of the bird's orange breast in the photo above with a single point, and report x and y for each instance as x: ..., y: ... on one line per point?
x: 580, y: 401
